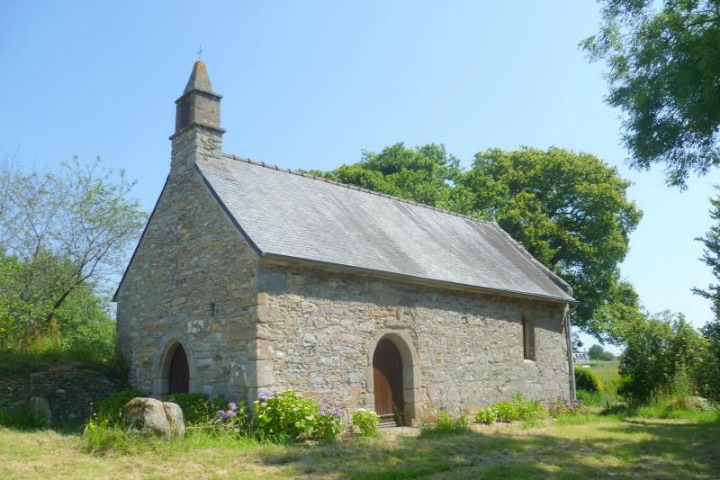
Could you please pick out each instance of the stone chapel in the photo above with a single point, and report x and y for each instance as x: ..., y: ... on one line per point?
x: 249, y: 278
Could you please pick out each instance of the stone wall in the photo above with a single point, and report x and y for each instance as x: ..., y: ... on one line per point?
x: 190, y: 281
x: 71, y: 393
x: 319, y: 331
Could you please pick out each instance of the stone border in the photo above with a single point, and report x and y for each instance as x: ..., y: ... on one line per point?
x: 161, y: 364
x: 411, y: 380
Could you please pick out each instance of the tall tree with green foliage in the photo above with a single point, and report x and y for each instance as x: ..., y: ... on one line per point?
x: 569, y: 210
x: 664, y: 73
x: 711, y: 331
x: 595, y: 352
x: 711, y: 256
x: 63, y: 235
x: 426, y: 174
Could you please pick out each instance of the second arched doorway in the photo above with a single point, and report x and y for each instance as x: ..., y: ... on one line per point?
x: 388, y: 382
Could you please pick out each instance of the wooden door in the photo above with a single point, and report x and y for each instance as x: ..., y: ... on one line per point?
x: 387, y: 377
x: 179, y: 374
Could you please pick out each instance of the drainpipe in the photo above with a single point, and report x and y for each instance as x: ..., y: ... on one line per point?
x: 571, y: 363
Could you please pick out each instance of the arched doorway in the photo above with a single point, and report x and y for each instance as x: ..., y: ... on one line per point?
x: 388, y: 382
x: 178, y: 374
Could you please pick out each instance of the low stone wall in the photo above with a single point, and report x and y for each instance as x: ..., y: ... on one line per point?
x: 70, y: 394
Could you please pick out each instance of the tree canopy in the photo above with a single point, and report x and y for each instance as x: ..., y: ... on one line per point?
x: 711, y: 331
x: 664, y: 74
x: 711, y: 256
x: 63, y: 235
x: 426, y: 174
x: 568, y: 209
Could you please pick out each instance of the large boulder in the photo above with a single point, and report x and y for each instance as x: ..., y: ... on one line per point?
x: 174, y: 414
x: 154, y: 418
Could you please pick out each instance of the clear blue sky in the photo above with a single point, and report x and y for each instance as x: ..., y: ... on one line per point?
x: 309, y: 84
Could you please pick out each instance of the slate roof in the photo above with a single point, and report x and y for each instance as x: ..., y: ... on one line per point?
x: 292, y: 216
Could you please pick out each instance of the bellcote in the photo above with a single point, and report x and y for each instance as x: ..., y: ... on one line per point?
x: 199, y: 105
x: 198, y: 135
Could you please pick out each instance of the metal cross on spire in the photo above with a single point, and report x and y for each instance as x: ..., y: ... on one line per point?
x: 199, y: 53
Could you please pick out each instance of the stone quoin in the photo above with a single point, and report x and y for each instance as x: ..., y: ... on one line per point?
x: 250, y: 278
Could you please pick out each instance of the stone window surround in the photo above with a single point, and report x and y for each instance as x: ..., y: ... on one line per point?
x: 528, y: 336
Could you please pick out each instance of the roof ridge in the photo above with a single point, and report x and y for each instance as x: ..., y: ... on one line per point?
x: 353, y: 187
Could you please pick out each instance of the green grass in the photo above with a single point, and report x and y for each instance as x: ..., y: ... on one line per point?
x: 586, y: 446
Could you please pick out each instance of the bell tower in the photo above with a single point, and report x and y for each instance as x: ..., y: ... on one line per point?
x: 197, y: 122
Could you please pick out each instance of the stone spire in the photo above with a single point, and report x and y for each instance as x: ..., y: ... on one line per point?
x: 199, y: 104
x: 199, y: 80
x: 197, y: 122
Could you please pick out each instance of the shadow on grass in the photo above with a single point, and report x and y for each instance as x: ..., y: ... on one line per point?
x: 627, y: 449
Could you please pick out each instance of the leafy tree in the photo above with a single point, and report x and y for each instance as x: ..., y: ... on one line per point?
x: 711, y: 256
x: 709, y: 368
x: 595, y: 352
x: 425, y: 174
x: 619, y: 311
x: 607, y: 356
x: 569, y: 210
x: 658, y: 350
x: 62, y: 237
x: 664, y: 73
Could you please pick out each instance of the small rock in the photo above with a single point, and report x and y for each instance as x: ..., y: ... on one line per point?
x: 40, y: 411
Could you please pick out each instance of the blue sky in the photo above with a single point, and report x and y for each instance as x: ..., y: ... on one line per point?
x: 310, y: 84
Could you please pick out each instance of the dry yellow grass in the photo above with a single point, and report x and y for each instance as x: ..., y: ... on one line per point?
x: 592, y: 447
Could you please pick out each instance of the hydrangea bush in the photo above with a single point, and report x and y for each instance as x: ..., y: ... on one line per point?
x: 233, y: 417
x: 566, y: 406
x: 287, y: 416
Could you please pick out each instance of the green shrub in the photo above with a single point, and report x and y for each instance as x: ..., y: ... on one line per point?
x: 520, y: 409
x: 198, y: 409
x: 20, y: 418
x: 585, y: 379
x: 529, y: 410
x: 447, y: 424
x: 288, y: 417
x: 111, y: 408
x: 506, y: 411
x: 102, y: 435
x: 597, y: 399
x: 367, y: 422
x: 657, y: 350
x: 487, y: 415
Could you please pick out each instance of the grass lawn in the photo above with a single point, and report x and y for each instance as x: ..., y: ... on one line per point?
x: 586, y: 447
